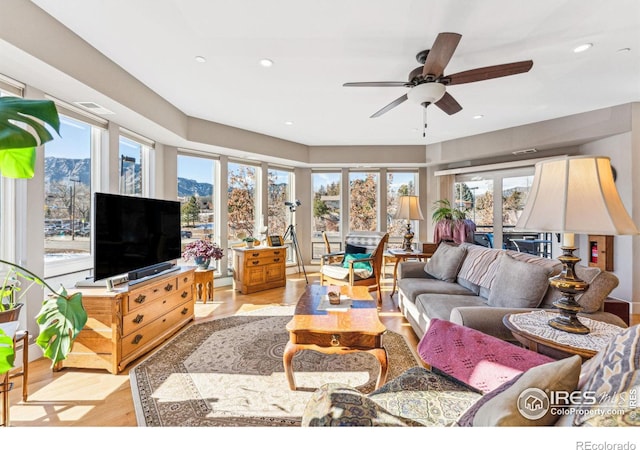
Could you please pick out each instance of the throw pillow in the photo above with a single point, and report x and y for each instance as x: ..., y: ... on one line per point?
x: 445, y: 262
x: 502, y: 407
x: 518, y: 284
x: 354, y: 249
x: 357, y: 265
x: 616, y: 384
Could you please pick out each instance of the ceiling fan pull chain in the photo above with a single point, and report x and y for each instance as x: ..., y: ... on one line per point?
x: 424, y: 120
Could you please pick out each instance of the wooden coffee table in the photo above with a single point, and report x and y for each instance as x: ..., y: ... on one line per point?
x: 355, y: 329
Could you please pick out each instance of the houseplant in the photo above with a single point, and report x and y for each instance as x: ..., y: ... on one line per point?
x: 202, y: 252
x: 250, y: 241
x: 451, y: 224
x: 61, y: 316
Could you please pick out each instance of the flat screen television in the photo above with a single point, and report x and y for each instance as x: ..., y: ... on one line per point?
x: 135, y: 236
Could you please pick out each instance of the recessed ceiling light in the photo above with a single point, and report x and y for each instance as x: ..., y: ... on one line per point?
x: 200, y: 59
x: 478, y: 116
x: 288, y: 122
x: 266, y: 62
x: 582, y: 48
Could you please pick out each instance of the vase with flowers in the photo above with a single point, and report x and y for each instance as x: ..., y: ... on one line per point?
x: 202, y: 252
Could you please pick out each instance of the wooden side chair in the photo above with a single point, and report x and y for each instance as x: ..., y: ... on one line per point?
x: 359, y: 271
x: 336, y: 256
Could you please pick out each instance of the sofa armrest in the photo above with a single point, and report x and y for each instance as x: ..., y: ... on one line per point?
x: 487, y: 319
x: 412, y: 269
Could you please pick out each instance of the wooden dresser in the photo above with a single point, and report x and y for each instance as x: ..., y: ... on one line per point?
x: 259, y: 268
x: 131, y: 320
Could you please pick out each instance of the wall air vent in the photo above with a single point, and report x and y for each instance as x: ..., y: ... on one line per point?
x: 94, y: 107
x: 525, y: 151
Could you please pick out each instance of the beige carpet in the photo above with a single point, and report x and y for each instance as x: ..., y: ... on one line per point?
x: 229, y: 372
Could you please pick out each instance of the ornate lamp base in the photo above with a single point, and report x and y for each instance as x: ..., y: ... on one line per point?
x: 570, y: 285
x: 407, y: 243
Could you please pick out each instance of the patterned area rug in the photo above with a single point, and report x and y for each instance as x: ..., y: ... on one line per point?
x: 229, y: 372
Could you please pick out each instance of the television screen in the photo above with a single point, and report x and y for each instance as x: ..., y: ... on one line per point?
x: 132, y: 233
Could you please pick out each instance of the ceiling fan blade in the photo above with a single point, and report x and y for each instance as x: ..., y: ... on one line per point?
x: 487, y: 73
x: 448, y: 104
x: 440, y: 54
x: 391, y: 105
x: 376, y: 84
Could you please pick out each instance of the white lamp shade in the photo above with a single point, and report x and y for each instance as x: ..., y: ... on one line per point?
x: 426, y: 93
x: 575, y: 195
x: 409, y: 208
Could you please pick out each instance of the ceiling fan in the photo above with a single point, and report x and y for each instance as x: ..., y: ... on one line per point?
x: 427, y: 83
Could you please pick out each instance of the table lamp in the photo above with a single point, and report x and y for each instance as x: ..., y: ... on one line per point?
x: 574, y: 195
x: 409, y: 208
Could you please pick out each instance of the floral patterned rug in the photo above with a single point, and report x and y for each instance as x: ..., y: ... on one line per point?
x: 229, y: 372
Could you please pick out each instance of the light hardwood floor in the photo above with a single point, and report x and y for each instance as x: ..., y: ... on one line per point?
x: 77, y: 397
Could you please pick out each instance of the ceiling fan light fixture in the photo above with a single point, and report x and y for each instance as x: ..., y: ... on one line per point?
x: 426, y: 93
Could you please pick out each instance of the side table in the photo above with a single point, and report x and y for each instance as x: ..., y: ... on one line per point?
x: 203, y: 285
x: 533, y: 331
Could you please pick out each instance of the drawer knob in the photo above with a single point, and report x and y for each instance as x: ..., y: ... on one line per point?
x: 140, y: 298
x: 255, y: 255
x: 335, y: 340
x: 276, y: 259
x: 137, y: 339
x: 168, y: 287
x: 184, y: 311
x: 138, y: 318
x: 255, y: 262
x: 277, y: 252
x: 184, y: 294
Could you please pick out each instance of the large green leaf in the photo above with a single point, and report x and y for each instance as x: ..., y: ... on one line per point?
x: 7, y: 354
x: 18, y: 162
x: 15, y: 109
x: 61, y: 318
x: 17, y: 142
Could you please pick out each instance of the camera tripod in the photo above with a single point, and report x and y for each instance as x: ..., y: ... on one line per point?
x: 291, y: 232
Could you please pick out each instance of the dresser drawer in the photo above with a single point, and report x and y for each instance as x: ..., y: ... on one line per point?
x: 150, y: 311
x: 263, y: 261
x: 140, y: 338
x: 147, y: 295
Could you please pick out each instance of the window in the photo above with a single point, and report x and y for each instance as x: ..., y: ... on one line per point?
x: 280, y: 189
x: 241, y: 200
x: 326, y: 210
x: 363, y: 201
x: 475, y: 196
x: 130, y: 166
x: 399, y: 184
x: 67, y: 191
x: 196, y: 181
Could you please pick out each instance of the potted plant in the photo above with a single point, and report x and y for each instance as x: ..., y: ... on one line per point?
x: 202, y: 252
x: 451, y: 224
x: 250, y: 241
x: 61, y: 316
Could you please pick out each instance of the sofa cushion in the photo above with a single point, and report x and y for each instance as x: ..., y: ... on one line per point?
x: 600, y: 286
x: 502, y: 406
x: 480, y: 361
x: 445, y: 262
x: 340, y: 273
x: 616, y: 383
x: 354, y: 249
x: 412, y: 287
x: 518, y: 284
x: 477, y: 265
x: 438, y: 306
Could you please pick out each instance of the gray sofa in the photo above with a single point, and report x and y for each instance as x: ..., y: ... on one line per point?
x: 477, y: 286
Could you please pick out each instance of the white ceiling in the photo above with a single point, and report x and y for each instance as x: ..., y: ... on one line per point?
x: 317, y: 45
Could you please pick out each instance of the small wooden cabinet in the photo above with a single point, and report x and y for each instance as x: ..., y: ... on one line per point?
x: 203, y: 285
x: 259, y: 268
x: 601, y: 252
x: 131, y: 320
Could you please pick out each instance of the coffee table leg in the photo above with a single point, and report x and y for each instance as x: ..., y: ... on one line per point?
x: 287, y: 358
x: 381, y: 355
